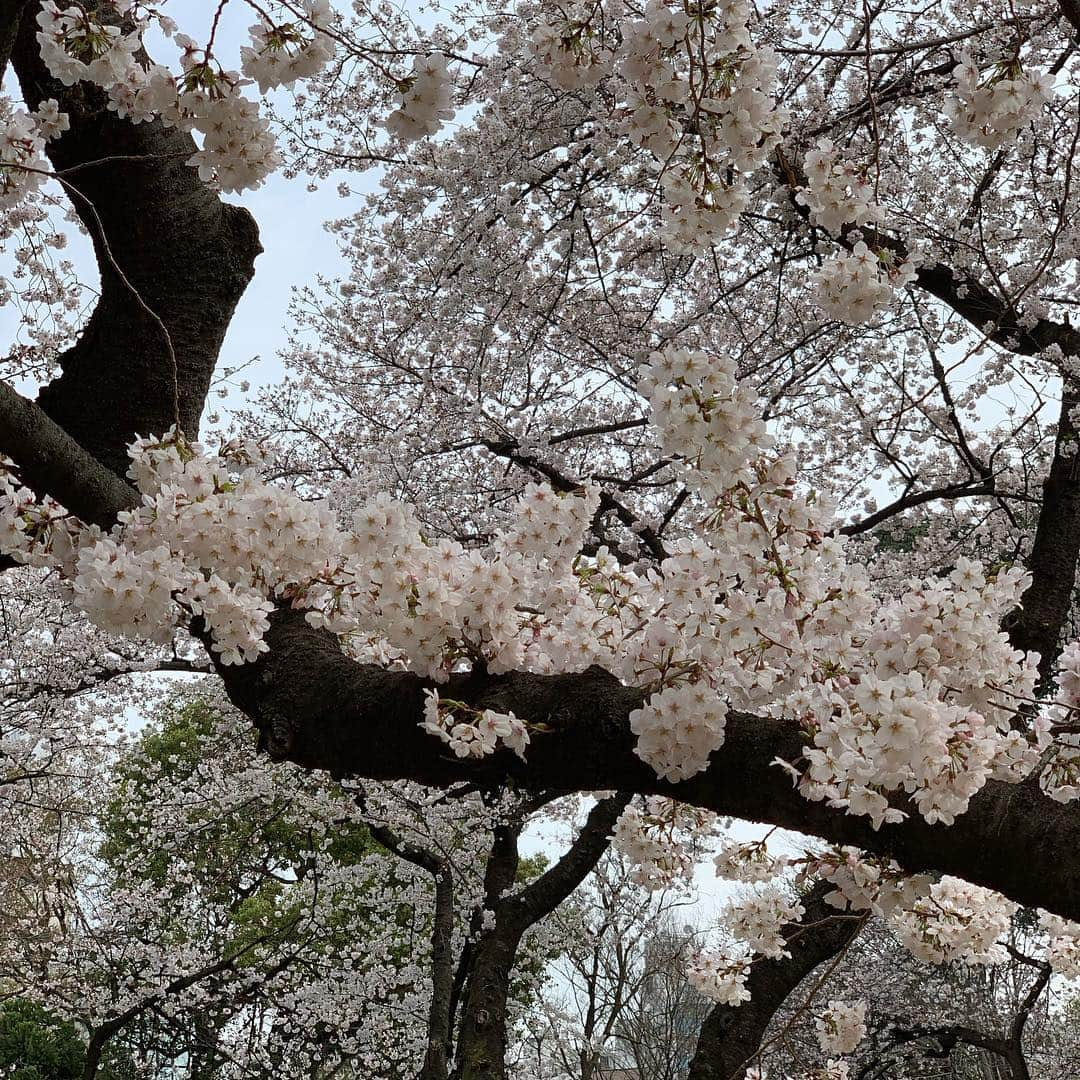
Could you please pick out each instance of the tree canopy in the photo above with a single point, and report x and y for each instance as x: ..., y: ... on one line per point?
x: 696, y: 428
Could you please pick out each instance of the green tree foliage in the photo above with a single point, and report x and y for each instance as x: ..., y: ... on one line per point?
x: 36, y: 1045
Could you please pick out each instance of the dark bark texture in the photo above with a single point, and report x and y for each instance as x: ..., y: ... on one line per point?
x: 52, y: 463
x: 316, y: 707
x: 186, y: 254
x: 732, y: 1035
x: 1037, y: 623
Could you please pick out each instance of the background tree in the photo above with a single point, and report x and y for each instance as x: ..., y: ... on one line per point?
x: 37, y: 1046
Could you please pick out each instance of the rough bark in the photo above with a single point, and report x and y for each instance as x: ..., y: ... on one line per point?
x: 52, y: 463
x: 437, y: 1058
x: 481, y: 1052
x: 731, y: 1035
x: 186, y: 254
x: 481, y: 1049
x: 319, y: 709
x: 10, y: 13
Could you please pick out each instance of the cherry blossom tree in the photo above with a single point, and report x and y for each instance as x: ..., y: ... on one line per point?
x: 227, y: 921
x: 698, y: 422
x: 952, y: 1019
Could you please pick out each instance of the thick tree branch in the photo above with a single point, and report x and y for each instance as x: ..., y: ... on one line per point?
x: 10, y: 13
x: 481, y: 1046
x: 731, y: 1035
x: 1038, y: 622
x: 437, y: 1057
x: 965, y: 489
x: 186, y: 254
x: 315, y: 707
x: 1071, y: 10
x: 948, y: 1038
x: 988, y: 313
x: 482, y: 1042
x: 52, y: 463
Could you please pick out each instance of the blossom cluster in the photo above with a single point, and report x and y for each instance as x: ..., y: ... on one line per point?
x: 851, y: 285
x: 424, y: 101
x: 864, y: 883
x: 659, y: 841
x: 564, y: 49
x: 282, y: 53
x: 238, y: 150
x: 836, y: 192
x: 678, y: 729
x: 38, y: 533
x: 988, y: 111
x: 1064, y: 945
x: 219, y: 542
x: 955, y: 921
x: 895, y: 726
x: 748, y: 862
x: 476, y: 737
x: 758, y: 920
x: 841, y: 1027
x: 23, y: 167
x: 719, y: 978
x: 209, y: 539
x: 705, y: 415
x: 77, y: 47
x: 693, y: 92
x: 438, y: 606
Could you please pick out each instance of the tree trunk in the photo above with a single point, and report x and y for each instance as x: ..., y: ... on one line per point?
x: 482, y: 1040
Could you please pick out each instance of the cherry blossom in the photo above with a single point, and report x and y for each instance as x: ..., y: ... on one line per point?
x: 841, y: 1027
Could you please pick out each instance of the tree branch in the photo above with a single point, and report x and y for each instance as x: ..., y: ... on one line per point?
x: 731, y: 1035
x: 52, y: 463
x: 1036, y: 625
x: 542, y: 896
x: 317, y: 708
x: 186, y: 254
